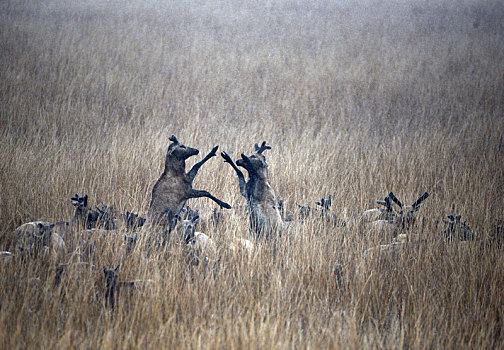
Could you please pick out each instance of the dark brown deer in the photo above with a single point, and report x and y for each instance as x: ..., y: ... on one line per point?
x: 174, y: 187
x: 321, y: 211
x: 262, y: 205
x: 84, y: 216
x: 457, y: 229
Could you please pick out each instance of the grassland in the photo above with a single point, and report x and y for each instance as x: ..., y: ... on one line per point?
x: 357, y: 98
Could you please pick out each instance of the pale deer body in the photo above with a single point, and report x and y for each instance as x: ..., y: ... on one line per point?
x: 37, y: 237
x: 5, y: 256
x: 202, y: 244
x: 388, y: 221
x: 395, y: 225
x: 240, y: 244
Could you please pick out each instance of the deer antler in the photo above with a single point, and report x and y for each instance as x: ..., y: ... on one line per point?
x: 173, y: 139
x: 325, y: 203
x: 262, y: 148
x: 419, y: 201
x: 388, y: 204
x: 79, y: 201
x: 396, y: 201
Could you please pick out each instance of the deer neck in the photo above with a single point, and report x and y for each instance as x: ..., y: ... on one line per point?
x: 263, y: 175
x: 174, y: 166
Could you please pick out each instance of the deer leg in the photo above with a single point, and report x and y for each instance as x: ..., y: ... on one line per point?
x: 194, y: 170
x: 199, y: 194
x: 241, y: 178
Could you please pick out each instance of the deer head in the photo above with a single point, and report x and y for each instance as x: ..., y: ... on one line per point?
x: 111, y: 276
x: 257, y: 161
x: 179, y: 151
x: 189, y: 228
x: 456, y: 229
x: 325, y: 204
x: 304, y: 211
x: 130, y: 242
x: 405, y: 215
x: 86, y: 216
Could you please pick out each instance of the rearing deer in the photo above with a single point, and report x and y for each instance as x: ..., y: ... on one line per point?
x: 174, y: 187
x: 262, y: 205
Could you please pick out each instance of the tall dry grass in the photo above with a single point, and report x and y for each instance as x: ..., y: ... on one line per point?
x: 357, y: 99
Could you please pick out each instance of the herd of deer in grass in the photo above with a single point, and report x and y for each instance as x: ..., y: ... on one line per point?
x: 169, y: 218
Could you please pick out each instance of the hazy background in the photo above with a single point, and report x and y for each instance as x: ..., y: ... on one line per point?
x: 357, y: 98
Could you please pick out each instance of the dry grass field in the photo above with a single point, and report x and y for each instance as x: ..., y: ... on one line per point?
x: 357, y: 99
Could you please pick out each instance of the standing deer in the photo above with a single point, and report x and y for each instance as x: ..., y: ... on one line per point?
x: 262, y: 205
x: 174, y: 187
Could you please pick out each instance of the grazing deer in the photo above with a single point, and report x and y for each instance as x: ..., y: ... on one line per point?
x: 388, y: 219
x: 201, y: 247
x: 198, y: 243
x: 84, y: 216
x: 262, y: 205
x: 103, y: 217
x: 404, y: 218
x: 496, y: 236
x: 286, y: 216
x: 33, y: 238
x: 387, y: 213
x: 322, y: 211
x: 209, y: 217
x: 457, y: 230
x: 37, y: 236
x: 132, y: 220
x: 174, y: 187
x: 107, y: 217
x: 111, y: 276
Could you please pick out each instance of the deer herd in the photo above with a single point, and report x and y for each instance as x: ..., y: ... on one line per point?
x: 168, y: 218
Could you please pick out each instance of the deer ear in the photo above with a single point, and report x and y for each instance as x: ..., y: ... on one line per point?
x: 173, y: 139
x: 256, y: 147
